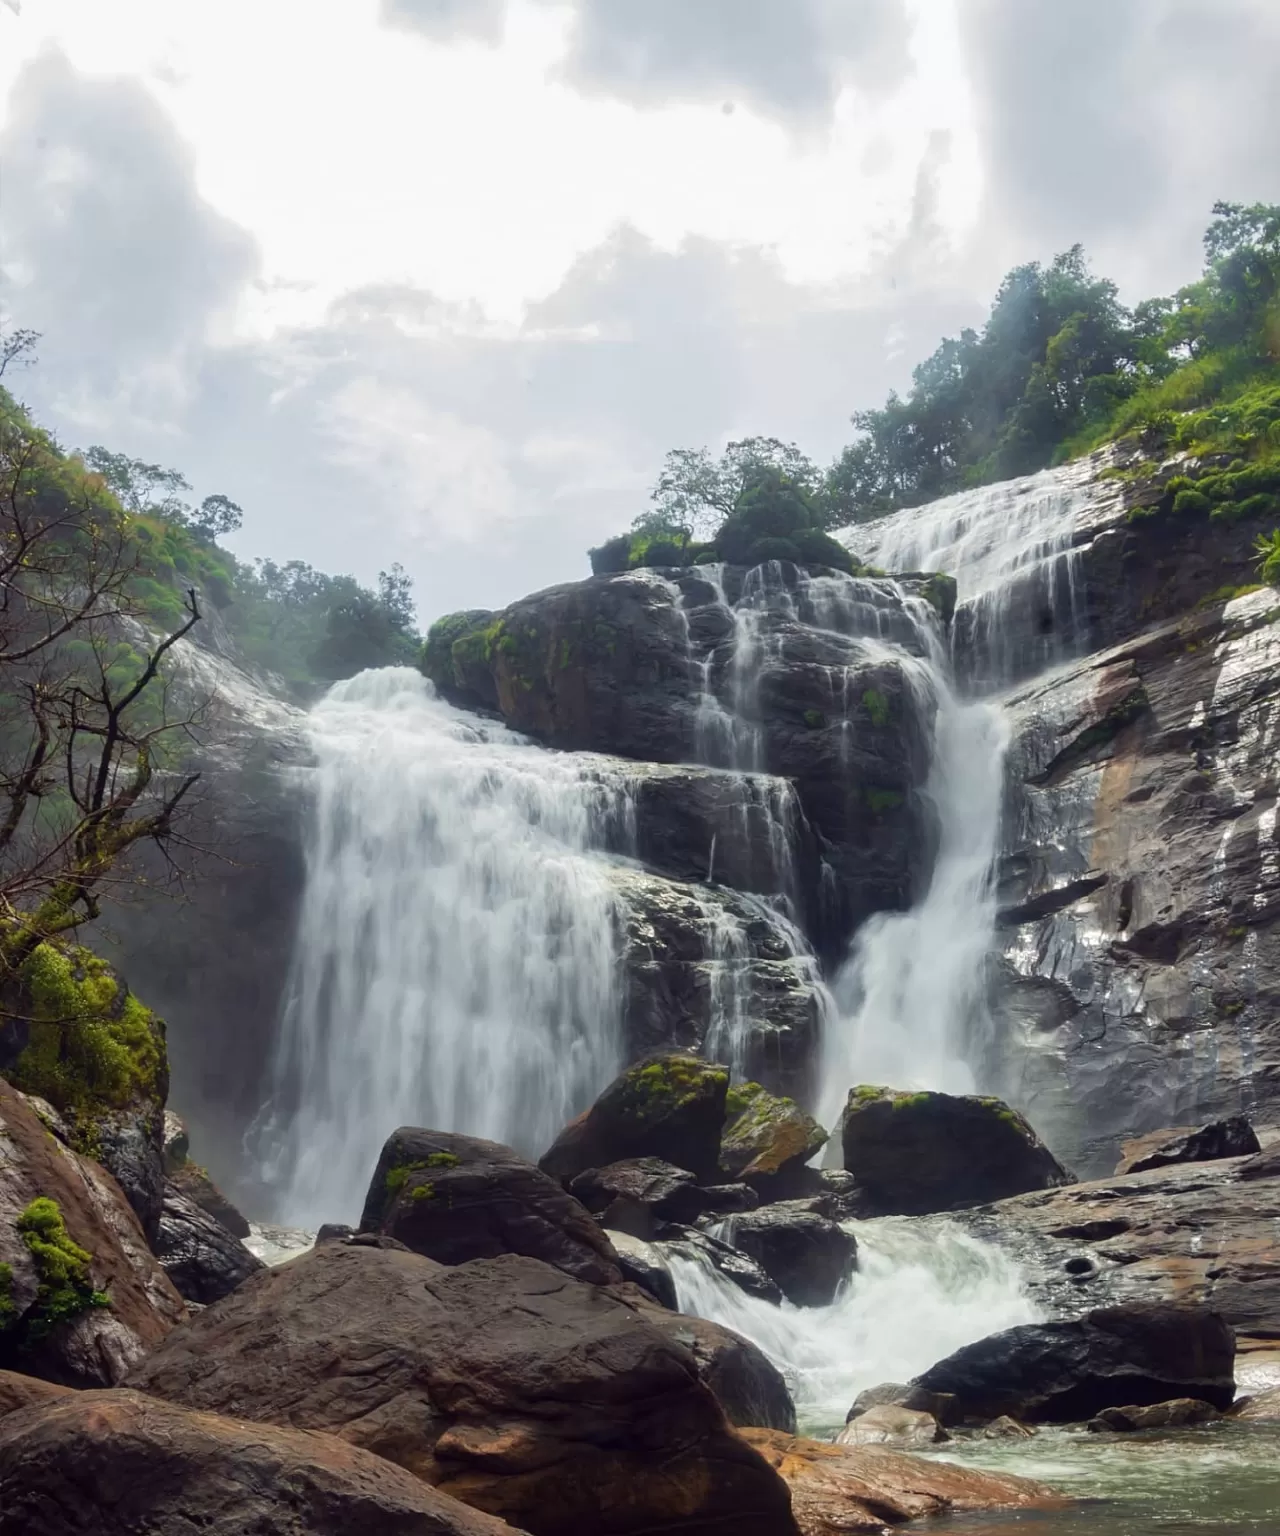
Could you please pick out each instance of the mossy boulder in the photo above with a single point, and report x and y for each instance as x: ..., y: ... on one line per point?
x: 456, y: 657
x: 766, y: 1139
x: 97, y: 1054
x: 668, y: 1106
x: 455, y: 1198
x: 915, y: 1153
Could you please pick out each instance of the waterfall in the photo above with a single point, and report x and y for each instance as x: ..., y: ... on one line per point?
x: 456, y: 963
x: 922, y: 1289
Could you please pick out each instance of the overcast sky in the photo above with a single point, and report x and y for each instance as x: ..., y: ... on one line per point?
x: 440, y: 281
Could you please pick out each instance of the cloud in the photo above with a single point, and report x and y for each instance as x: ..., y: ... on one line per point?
x: 448, y: 20
x: 105, y: 244
x: 1120, y: 125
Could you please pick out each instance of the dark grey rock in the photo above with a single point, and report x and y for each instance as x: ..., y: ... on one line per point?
x: 808, y: 1256
x: 204, y: 1261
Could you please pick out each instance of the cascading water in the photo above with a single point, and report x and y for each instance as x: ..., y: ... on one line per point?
x: 921, y: 1290
x: 457, y: 954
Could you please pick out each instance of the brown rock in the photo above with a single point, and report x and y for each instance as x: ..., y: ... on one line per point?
x: 454, y: 1198
x: 904, y: 1429
x: 766, y: 1138
x: 1175, y: 1414
x: 839, y: 1488
x: 116, y: 1463
x: 1261, y: 1408
x: 670, y: 1107
x: 504, y: 1382
x: 100, y: 1345
x: 1189, y: 1144
x: 18, y: 1391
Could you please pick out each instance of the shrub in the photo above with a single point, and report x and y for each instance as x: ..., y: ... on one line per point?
x: 611, y: 557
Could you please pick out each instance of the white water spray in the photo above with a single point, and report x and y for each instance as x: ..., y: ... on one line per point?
x: 457, y: 951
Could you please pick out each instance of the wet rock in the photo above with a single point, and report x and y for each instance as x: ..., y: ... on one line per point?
x: 907, y: 1395
x: 93, y: 1344
x: 204, y: 1261
x: 645, y: 1191
x: 1188, y: 1232
x: 669, y: 1107
x: 550, y: 1403
x: 903, y: 1429
x: 334, y: 1232
x: 748, y: 1386
x: 1261, y: 1408
x: 196, y: 1185
x: 1060, y: 1372
x: 1178, y: 1413
x: 1005, y: 1428
x: 118, y: 1462
x: 642, y: 1264
x: 731, y: 1262
x: 1189, y: 1144
x: 767, y: 1139
x: 454, y: 1198
x: 176, y: 1146
x: 1266, y: 1165
x: 912, y: 1153
x: 841, y: 1488
x: 808, y: 1256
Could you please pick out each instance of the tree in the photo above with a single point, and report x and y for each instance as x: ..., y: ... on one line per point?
x: 86, y: 726
x: 216, y: 516
x: 695, y: 493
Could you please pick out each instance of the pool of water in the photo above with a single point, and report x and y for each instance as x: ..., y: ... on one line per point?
x: 1218, y: 1480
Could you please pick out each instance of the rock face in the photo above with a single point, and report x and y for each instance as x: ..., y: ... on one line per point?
x: 808, y: 1256
x: 1116, y: 1357
x: 913, y: 1153
x: 1189, y: 1144
x: 841, y: 1488
x: 1189, y: 1232
x: 59, y: 1328
x: 204, y: 1261
x: 117, y: 1462
x: 454, y: 1198
x: 194, y: 1184
x: 671, y: 1107
x: 767, y: 1140
x: 503, y: 1382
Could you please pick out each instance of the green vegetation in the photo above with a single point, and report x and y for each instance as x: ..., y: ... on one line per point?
x: 882, y: 800
x: 658, y: 1087
x: 877, y: 707
x: 92, y: 1044
x: 8, y: 1308
x: 866, y: 1093
x: 910, y: 1100
x: 1060, y: 368
x: 397, y: 1178
x: 815, y: 719
x: 65, y: 1288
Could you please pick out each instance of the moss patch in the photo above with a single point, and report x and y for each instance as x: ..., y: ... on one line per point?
x: 92, y: 1044
x: 65, y: 1288
x: 661, y: 1086
x: 877, y: 707
x: 8, y: 1310
x: 882, y: 800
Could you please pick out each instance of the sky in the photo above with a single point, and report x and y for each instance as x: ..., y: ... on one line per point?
x: 441, y: 281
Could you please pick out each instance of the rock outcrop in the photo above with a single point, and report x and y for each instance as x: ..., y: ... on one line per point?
x: 807, y: 1255
x: 1189, y: 1144
x: 455, y: 1198
x: 670, y: 1106
x: 82, y: 1298
x: 913, y: 1153
x: 767, y: 1140
x: 503, y: 1382
x: 116, y: 1463
x: 1112, y: 1358
x: 204, y: 1260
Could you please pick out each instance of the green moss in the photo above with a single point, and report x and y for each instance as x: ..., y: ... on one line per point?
x: 397, y: 1178
x: 92, y: 1044
x: 661, y: 1086
x: 440, y: 1160
x: 864, y: 1093
x: 422, y: 1192
x: 1227, y: 594
x: 882, y: 800
x: 8, y: 1309
x: 739, y: 1099
x: 941, y: 591
x: 439, y: 660
x: 815, y: 719
x: 877, y: 707
x: 65, y: 1287
x: 910, y: 1100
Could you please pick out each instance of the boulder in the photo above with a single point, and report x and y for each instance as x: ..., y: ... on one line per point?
x: 702, y: 1248
x: 27, y: 1392
x: 1112, y: 1358
x: 904, y: 1429
x: 1261, y: 1408
x: 666, y: 1106
x: 642, y: 1265
x: 1176, y: 1414
x: 913, y: 1153
x: 505, y: 1382
x: 752, y: 1390
x: 455, y: 1198
x: 914, y: 1399
x: 82, y: 1297
x: 837, y: 1489
x: 176, y: 1143
x: 1189, y: 1144
x: 1005, y: 1428
x: 639, y: 1195
x: 808, y: 1256
x: 116, y: 1463
x: 204, y: 1261
x: 1265, y: 1165
x: 196, y: 1185
x: 767, y: 1139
